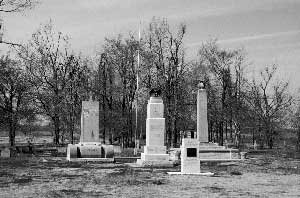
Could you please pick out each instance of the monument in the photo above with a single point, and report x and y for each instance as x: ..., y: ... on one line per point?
x: 209, y: 151
x: 202, y: 123
x: 89, y: 147
x: 155, y: 150
x: 190, y: 158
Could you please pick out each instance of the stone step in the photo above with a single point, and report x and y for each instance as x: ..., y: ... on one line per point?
x: 219, y: 155
x: 222, y: 150
x: 108, y: 160
x: 211, y: 147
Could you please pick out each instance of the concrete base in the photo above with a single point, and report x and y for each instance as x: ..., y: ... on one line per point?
x: 190, y: 165
x: 199, y: 174
x: 153, y: 164
x: 220, y: 160
x: 212, y: 151
x: 90, y: 152
x: 154, y: 157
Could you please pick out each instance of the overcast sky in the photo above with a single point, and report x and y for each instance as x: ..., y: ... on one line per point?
x: 268, y: 30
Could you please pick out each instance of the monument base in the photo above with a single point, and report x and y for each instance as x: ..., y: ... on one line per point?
x: 190, y: 166
x: 104, y: 160
x: 153, y: 163
x: 91, y: 151
x: 154, y: 156
x: 212, y: 151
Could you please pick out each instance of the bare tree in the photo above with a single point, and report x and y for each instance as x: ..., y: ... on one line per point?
x: 226, y: 83
x: 165, y: 53
x: 296, y: 124
x: 269, y: 100
x: 119, y: 65
x: 51, y: 68
x: 15, y: 97
x: 16, y: 5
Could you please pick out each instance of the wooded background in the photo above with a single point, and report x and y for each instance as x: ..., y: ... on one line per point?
x: 45, y: 79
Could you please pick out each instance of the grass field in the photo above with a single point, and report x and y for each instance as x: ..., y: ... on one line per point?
x: 272, y: 174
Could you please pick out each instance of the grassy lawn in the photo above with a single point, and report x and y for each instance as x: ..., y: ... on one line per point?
x: 262, y: 175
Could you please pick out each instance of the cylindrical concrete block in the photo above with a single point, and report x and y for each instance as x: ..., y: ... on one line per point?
x: 72, y: 151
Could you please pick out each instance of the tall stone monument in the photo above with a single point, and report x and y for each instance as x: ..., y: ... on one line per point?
x: 209, y: 151
x: 155, y: 150
x: 89, y: 148
x: 202, y: 125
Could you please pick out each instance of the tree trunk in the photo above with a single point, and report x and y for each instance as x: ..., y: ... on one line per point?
x: 12, y: 131
x: 56, y: 129
x: 270, y: 138
x: 298, y: 140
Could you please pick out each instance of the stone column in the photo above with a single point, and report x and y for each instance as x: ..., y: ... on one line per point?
x: 202, y: 125
x: 90, y: 122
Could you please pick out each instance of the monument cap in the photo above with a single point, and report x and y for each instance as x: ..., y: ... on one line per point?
x: 201, y: 84
x: 155, y: 92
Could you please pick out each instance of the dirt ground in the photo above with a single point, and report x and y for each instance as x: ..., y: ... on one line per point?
x: 261, y: 175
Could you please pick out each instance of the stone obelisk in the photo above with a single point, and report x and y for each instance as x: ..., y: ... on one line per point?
x: 202, y: 125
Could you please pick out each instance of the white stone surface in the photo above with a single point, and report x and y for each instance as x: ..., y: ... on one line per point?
x: 155, y: 100
x: 155, y: 149
x: 108, y: 160
x: 190, y: 165
x: 90, y: 122
x: 202, y: 123
x: 156, y: 163
x: 155, y: 110
x: 91, y: 151
x: 154, y: 157
x: 190, y: 143
x: 155, y: 131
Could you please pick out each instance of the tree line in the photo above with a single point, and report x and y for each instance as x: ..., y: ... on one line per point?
x: 48, y: 79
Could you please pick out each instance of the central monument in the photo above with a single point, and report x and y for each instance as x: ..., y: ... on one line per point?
x: 155, y: 150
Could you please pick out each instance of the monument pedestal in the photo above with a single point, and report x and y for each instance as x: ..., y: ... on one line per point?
x: 152, y: 158
x: 155, y: 154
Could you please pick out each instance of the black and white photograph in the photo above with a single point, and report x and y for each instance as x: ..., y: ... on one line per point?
x: 149, y: 98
